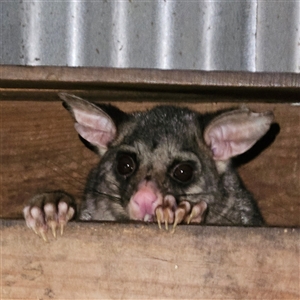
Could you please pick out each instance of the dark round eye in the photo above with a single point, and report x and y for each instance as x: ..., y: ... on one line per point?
x: 183, y: 172
x: 126, y: 165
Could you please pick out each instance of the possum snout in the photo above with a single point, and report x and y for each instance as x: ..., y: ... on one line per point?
x: 144, y: 201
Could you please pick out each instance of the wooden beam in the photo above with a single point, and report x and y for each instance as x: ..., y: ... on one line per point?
x: 80, y: 75
x: 138, y: 261
x: 43, y: 83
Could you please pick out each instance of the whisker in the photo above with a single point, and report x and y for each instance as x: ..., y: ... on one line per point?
x: 112, y: 185
x: 207, y: 196
x: 222, y: 216
x: 112, y: 197
x: 195, y: 194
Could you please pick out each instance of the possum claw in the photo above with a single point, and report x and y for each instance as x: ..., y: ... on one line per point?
x: 181, y: 211
x: 169, y: 210
x: 62, y: 227
x: 53, y: 229
x: 165, y: 213
x: 196, y: 215
x: 159, y: 216
x: 166, y: 225
x: 185, y: 212
x: 34, y: 230
x: 168, y: 217
x: 179, y: 215
x: 44, y: 236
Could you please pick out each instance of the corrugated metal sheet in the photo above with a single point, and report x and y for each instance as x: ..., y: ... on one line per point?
x: 243, y: 35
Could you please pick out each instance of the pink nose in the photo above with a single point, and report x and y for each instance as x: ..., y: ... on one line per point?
x: 144, y: 202
x: 144, y: 198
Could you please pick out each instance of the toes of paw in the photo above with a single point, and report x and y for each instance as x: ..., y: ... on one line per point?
x: 169, y: 207
x: 159, y: 214
x: 185, y: 212
x: 168, y: 215
x: 65, y: 212
x: 181, y: 212
x: 52, y: 216
x: 34, y: 216
x: 50, y: 212
x: 164, y: 215
x: 35, y: 220
x: 197, y: 213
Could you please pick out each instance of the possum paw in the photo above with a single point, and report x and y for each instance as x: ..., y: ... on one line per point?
x: 49, y: 210
x: 185, y: 212
x: 165, y: 213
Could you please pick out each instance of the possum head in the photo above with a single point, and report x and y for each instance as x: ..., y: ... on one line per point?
x: 165, y: 155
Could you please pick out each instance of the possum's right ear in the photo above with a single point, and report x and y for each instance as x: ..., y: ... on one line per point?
x: 234, y: 132
x: 91, y: 122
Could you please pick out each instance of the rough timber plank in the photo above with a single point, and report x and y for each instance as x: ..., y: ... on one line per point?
x: 136, y: 261
x: 41, y: 151
x: 43, y: 83
x: 26, y: 76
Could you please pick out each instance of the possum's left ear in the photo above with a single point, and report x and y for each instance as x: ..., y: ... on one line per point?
x: 234, y: 132
x: 91, y: 122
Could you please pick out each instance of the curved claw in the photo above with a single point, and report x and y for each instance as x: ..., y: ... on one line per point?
x: 168, y: 216
x: 165, y: 213
x: 179, y: 216
x: 182, y: 210
x: 186, y: 212
x: 62, y: 227
x: 53, y: 229
x: 159, y: 224
x: 159, y: 216
x: 166, y: 225
x: 34, y: 230
x: 197, y: 213
x: 44, y: 236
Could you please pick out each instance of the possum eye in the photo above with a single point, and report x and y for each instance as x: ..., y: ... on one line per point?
x: 183, y: 172
x: 125, y: 165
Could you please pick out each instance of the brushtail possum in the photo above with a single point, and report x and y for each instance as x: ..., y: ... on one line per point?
x: 168, y: 165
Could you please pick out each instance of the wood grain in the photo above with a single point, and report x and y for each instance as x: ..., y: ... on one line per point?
x: 25, y: 76
x: 126, y: 261
x: 40, y: 151
x: 111, y: 84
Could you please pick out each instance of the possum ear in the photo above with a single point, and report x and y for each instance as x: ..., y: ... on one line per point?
x: 91, y: 122
x: 234, y: 132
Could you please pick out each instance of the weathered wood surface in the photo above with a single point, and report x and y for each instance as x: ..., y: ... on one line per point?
x: 128, y: 261
x: 110, y: 84
x: 40, y: 151
x: 25, y: 75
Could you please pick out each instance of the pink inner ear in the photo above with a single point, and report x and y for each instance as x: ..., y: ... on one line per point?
x: 97, y: 121
x: 95, y: 126
x: 95, y: 137
x: 223, y: 150
x: 235, y: 132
